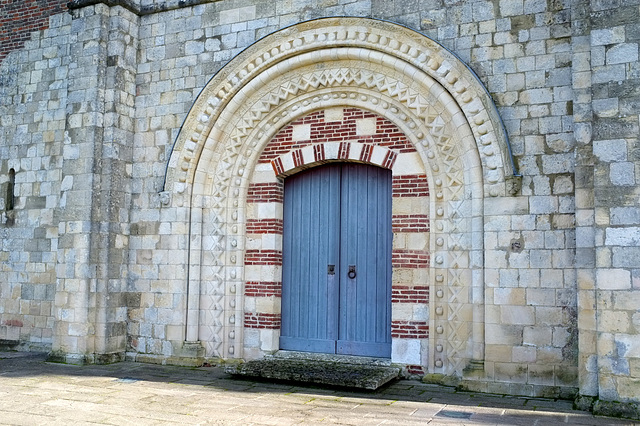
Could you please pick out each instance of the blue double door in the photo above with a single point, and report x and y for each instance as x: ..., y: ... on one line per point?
x: 337, y: 241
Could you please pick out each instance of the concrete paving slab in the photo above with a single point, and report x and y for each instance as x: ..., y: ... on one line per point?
x: 33, y: 391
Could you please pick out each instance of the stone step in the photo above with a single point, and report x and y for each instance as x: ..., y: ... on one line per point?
x: 324, y: 369
x: 8, y: 345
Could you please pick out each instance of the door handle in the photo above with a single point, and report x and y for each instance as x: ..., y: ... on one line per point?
x: 331, y: 269
x: 352, y: 271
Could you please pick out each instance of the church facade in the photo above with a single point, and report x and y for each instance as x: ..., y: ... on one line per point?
x: 452, y: 185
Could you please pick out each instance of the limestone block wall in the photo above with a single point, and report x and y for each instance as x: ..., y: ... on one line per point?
x: 616, y: 175
x: 606, y: 124
x: 66, y: 139
x: 34, y: 68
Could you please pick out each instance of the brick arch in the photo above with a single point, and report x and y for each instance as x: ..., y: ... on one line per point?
x: 440, y: 106
x: 336, y: 134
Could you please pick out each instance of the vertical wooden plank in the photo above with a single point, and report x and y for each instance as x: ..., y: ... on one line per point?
x: 302, y: 275
x: 332, y: 249
x: 365, y: 255
x: 348, y: 254
x: 371, y: 311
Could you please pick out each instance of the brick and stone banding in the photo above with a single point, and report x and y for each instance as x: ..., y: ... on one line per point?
x: 410, y: 186
x: 271, y: 192
x: 264, y: 226
x: 410, y: 223
x: 263, y: 257
x: 18, y: 19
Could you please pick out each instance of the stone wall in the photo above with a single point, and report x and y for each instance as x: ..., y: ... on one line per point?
x: 615, y: 78
x: 65, y: 133
x: 94, y: 253
x: 33, y: 102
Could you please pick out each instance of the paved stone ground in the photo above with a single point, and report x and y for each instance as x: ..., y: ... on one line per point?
x: 35, y: 392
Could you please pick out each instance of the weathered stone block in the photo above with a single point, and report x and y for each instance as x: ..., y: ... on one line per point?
x: 499, y: 334
x: 509, y: 296
x: 537, y: 336
x: 541, y: 375
x: 606, y: 36
x: 523, y: 354
x: 622, y: 53
x: 523, y: 315
x: 629, y: 236
x: 510, y: 372
x: 610, y: 150
x: 613, y: 321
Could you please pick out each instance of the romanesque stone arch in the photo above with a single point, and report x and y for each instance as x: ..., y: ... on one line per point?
x: 389, y: 70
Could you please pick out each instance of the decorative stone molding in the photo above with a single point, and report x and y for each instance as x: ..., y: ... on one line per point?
x: 340, y: 62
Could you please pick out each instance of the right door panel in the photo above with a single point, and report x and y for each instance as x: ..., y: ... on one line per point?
x: 365, y: 248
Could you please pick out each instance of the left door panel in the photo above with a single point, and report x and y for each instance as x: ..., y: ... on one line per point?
x: 310, y: 246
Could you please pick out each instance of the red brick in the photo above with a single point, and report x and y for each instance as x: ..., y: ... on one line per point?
x: 265, y: 193
x: 417, y: 370
x: 263, y: 289
x: 264, y: 226
x: 260, y: 320
x: 401, y: 258
x: 410, y: 223
x: 410, y: 186
x: 263, y: 257
x: 409, y: 329
x: 19, y: 18
x: 388, y: 134
x: 406, y: 294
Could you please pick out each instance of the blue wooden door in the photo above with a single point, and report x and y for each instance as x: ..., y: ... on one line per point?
x: 336, y: 295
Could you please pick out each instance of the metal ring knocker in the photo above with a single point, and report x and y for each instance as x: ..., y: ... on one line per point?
x: 352, y: 271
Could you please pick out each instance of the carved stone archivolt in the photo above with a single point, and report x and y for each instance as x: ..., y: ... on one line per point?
x: 377, y: 66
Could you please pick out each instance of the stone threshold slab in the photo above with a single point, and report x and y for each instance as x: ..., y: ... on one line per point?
x: 324, y: 369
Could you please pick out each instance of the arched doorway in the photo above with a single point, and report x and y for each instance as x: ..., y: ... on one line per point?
x: 336, y: 279
x: 216, y: 170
